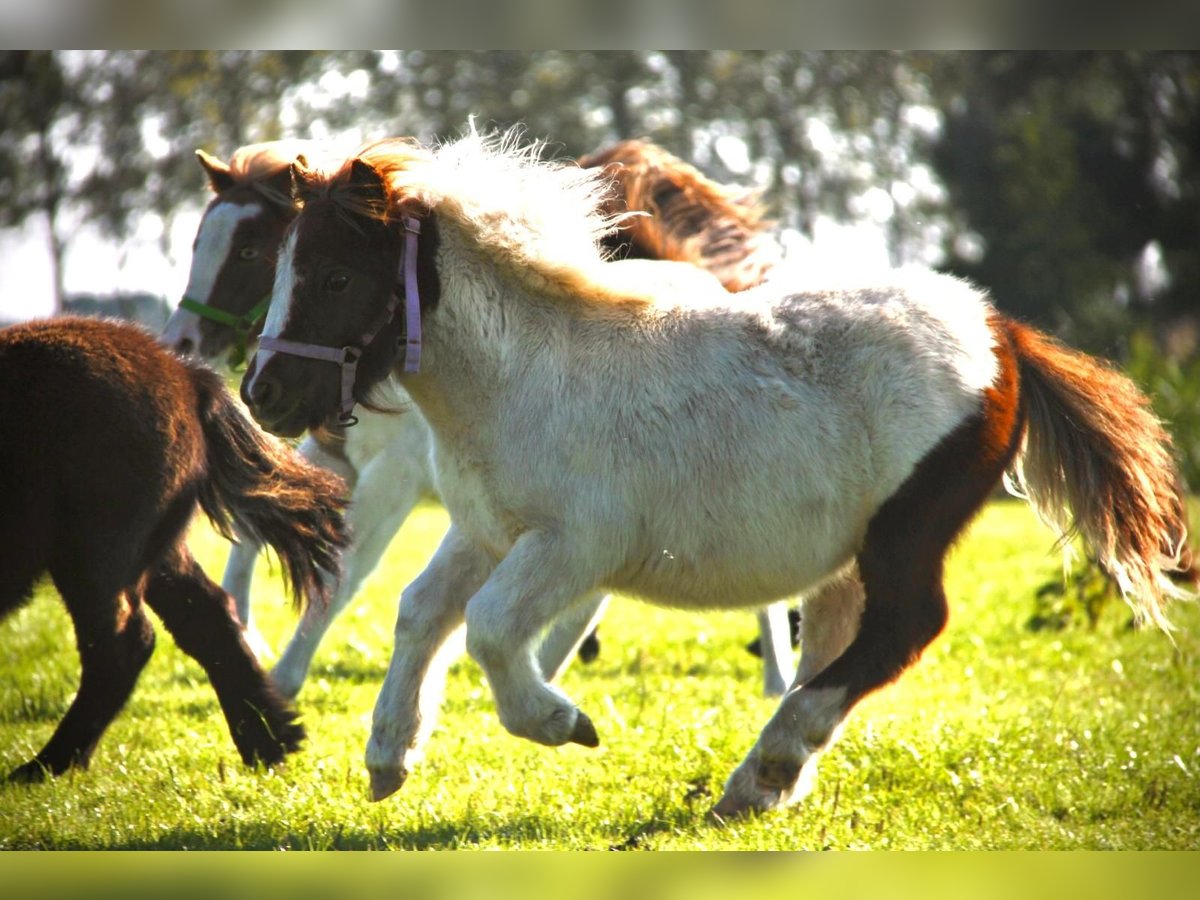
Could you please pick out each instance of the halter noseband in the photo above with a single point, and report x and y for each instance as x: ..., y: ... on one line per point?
x: 348, y: 356
x: 242, y: 325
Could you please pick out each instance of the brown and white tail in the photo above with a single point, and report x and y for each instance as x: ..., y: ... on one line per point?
x: 276, y: 496
x: 1097, y: 461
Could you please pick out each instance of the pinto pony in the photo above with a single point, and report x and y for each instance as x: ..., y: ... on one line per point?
x: 385, y: 457
x: 108, y: 443
x: 625, y: 426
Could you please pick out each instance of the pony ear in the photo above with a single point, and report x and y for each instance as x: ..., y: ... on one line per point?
x: 367, y: 182
x: 277, y: 187
x: 219, y: 176
x: 302, y: 179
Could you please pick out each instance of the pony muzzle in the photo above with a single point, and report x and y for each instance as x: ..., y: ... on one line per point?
x: 278, y: 402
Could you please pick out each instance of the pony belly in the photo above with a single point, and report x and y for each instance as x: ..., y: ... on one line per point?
x: 728, y: 578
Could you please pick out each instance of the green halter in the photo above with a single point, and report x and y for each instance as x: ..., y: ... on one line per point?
x: 242, y: 325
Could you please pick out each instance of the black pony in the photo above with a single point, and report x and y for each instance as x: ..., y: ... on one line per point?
x: 108, y: 443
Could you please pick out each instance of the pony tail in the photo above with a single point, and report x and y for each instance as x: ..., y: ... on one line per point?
x: 276, y: 496
x: 1098, y: 462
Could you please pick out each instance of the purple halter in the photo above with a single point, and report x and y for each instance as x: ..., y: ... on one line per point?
x: 347, y: 357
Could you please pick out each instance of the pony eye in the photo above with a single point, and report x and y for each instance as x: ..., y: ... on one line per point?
x: 337, y: 281
x: 247, y: 253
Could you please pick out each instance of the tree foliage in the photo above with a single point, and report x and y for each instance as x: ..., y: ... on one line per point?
x: 1066, y: 182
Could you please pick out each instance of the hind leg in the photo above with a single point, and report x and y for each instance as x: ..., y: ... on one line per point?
x: 900, y: 566
x: 904, y: 611
x: 775, y: 645
x: 239, y: 574
x: 200, y: 617
x: 239, y: 568
x: 115, y: 640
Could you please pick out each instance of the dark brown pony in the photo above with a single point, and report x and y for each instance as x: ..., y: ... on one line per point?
x: 107, y: 445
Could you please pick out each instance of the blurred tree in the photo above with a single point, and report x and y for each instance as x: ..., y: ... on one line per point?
x: 1072, y: 174
x: 37, y: 110
x: 1051, y: 178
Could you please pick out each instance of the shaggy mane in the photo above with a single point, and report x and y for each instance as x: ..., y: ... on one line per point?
x: 543, y: 220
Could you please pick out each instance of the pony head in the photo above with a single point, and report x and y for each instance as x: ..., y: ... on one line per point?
x: 339, y: 290
x: 233, y: 258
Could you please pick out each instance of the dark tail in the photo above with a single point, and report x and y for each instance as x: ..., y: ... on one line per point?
x: 1097, y: 461
x: 275, y: 495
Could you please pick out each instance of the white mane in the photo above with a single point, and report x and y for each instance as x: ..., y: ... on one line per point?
x: 543, y: 218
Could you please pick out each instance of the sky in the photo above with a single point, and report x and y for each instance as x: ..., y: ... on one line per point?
x: 95, y: 264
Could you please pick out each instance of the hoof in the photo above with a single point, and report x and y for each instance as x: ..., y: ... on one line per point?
x: 590, y: 648
x: 32, y: 772
x: 728, y: 809
x: 385, y: 782
x: 584, y: 732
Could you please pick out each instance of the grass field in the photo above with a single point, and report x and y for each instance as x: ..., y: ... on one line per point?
x: 1001, y: 737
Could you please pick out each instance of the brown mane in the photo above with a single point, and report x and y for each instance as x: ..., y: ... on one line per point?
x: 692, y: 218
x: 257, y: 166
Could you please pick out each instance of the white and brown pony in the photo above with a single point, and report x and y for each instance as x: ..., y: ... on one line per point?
x: 385, y: 457
x: 632, y: 427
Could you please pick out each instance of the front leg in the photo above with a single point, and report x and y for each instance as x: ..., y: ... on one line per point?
x: 431, y: 608
x: 386, y: 492
x: 537, y: 580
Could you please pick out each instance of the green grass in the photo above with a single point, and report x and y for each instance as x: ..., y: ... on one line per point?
x: 1000, y: 737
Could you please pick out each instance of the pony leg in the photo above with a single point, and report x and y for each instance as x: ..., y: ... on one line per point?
x: 900, y: 566
x: 775, y: 640
x: 115, y: 639
x: 239, y: 568
x: 568, y: 632
x: 532, y: 585
x: 239, y: 574
x: 431, y: 609
x: 386, y: 492
x: 828, y: 623
x: 200, y: 617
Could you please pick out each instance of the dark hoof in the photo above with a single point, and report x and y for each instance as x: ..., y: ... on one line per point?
x: 385, y: 782
x: 584, y: 732
x: 33, y: 772
x: 590, y: 648
x: 262, y: 743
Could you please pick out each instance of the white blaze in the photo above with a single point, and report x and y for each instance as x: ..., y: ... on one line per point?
x: 281, y: 295
x: 214, y: 243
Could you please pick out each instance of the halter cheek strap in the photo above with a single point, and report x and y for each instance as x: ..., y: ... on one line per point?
x: 348, y: 356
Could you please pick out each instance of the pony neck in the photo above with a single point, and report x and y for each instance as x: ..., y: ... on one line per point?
x: 480, y: 327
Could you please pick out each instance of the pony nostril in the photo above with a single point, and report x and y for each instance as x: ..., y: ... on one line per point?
x: 262, y: 393
x: 185, y: 346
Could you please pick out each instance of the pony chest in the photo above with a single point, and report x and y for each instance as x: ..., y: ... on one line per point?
x: 470, y: 493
